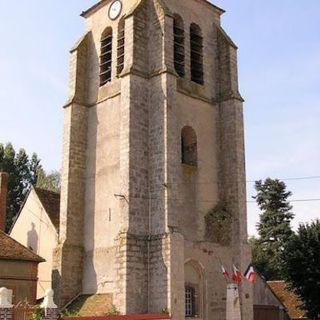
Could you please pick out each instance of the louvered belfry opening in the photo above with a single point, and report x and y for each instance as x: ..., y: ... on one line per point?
x: 106, y: 57
x: 178, y: 33
x: 196, y: 48
x: 120, y: 49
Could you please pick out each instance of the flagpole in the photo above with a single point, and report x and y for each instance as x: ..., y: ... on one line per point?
x: 225, y: 278
x: 222, y: 266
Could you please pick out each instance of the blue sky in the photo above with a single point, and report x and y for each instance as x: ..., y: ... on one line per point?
x: 279, y: 71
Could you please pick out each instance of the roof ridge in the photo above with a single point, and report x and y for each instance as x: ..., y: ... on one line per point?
x: 50, y: 200
x: 36, y: 256
x: 46, y: 190
x: 15, y: 218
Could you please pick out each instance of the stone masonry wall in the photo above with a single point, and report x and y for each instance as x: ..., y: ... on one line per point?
x: 140, y: 39
x: 232, y: 179
x: 158, y: 288
x: 137, y: 275
x: 131, y: 279
x: 138, y: 156
x: 162, y: 203
x: 68, y: 256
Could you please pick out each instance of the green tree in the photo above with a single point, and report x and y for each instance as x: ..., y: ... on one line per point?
x: 274, y: 228
x: 301, y: 266
x: 50, y: 181
x: 22, y: 174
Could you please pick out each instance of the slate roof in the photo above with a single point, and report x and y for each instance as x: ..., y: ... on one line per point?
x: 51, y: 203
x: 288, y: 298
x: 10, y: 249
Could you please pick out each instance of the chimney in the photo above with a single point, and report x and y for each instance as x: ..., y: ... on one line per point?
x: 3, y: 199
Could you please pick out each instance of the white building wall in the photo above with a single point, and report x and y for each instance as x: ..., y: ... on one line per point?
x: 34, y: 229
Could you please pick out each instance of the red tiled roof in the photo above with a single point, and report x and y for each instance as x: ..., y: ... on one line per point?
x: 288, y: 298
x: 10, y: 249
x: 51, y: 203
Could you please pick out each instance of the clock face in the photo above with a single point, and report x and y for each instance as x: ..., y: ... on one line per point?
x: 115, y: 9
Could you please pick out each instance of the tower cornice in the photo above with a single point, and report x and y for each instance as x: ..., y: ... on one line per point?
x: 101, y: 3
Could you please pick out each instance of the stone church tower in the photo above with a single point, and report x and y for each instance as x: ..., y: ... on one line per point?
x: 153, y: 196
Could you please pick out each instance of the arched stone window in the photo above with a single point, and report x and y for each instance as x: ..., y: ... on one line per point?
x: 196, y: 54
x: 106, y: 56
x: 120, y: 49
x: 189, y: 153
x: 178, y: 37
x: 194, y: 289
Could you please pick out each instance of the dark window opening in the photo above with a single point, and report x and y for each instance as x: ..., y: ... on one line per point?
x: 189, y: 146
x: 178, y: 35
x: 196, y: 54
x: 106, y: 57
x: 190, y: 301
x: 120, y: 49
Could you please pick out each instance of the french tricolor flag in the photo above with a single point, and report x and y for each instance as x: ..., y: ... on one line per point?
x: 225, y: 272
x: 250, y: 274
x: 237, y: 276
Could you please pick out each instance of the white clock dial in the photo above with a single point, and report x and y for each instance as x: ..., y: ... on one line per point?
x: 115, y: 9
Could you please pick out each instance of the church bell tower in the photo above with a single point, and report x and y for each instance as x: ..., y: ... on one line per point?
x: 153, y: 196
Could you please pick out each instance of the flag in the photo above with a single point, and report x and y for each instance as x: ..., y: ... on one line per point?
x: 237, y: 276
x: 225, y: 272
x: 250, y: 274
